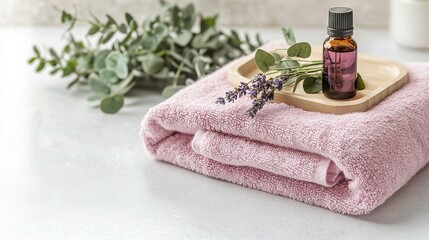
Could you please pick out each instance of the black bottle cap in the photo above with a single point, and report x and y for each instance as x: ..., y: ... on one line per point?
x: 340, y: 23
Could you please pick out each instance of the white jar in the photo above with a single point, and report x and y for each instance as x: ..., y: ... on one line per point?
x: 409, y: 22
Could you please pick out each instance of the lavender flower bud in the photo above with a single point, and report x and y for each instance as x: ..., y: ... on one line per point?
x: 220, y: 100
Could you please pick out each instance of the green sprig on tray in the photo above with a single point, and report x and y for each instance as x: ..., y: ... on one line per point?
x: 168, y: 51
x: 289, y: 70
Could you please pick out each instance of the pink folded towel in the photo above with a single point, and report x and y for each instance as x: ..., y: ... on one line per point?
x: 239, y: 151
x: 347, y: 163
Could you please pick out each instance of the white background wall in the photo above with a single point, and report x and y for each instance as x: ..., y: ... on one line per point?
x: 234, y: 12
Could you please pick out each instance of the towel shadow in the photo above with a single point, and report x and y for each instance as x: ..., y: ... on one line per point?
x: 407, y: 203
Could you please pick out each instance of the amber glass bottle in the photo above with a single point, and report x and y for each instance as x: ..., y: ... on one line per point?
x: 339, y: 56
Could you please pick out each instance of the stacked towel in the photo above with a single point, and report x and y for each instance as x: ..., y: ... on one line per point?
x: 347, y: 163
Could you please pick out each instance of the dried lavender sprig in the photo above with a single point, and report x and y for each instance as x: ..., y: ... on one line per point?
x: 260, y: 89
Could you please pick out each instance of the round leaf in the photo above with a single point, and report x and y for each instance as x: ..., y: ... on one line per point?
x: 123, y: 28
x: 162, y: 74
x: 118, y: 62
x: 161, y: 30
x: 122, y: 69
x: 112, y: 104
x: 264, y: 60
x: 183, y: 38
x: 98, y: 86
x: 108, y: 76
x: 360, y: 84
x: 171, y: 90
x: 150, y: 42
x: 302, y: 50
x: 152, y: 64
x: 200, y: 40
x: 112, y: 59
x: 312, y: 85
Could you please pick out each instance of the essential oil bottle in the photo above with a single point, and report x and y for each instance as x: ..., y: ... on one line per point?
x: 339, y: 56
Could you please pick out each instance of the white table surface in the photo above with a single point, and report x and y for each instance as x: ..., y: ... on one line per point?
x: 68, y: 171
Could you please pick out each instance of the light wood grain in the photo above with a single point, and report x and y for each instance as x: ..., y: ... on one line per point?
x: 382, y: 77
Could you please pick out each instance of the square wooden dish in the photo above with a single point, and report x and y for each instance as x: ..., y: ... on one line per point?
x: 381, y: 76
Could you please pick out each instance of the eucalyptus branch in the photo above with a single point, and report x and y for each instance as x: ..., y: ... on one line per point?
x: 165, y: 50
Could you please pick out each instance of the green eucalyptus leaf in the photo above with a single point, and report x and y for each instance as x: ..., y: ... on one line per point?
x: 118, y: 62
x: 112, y: 104
x: 289, y: 63
x: 54, y: 54
x: 133, y: 25
x: 297, y: 80
x: 360, y: 84
x: 209, y: 22
x: 147, y: 23
x: 122, y: 69
x: 111, y: 20
x: 264, y: 60
x: 290, y: 81
x: 152, y: 64
x: 93, y: 30
x: 160, y: 30
x: 276, y: 56
x: 65, y: 17
x: 123, y: 28
x: 258, y: 39
x: 108, y: 76
x: 312, y: 85
x: 135, y: 44
x: 98, y: 86
x: 189, y: 21
x: 289, y: 36
x: 112, y: 59
x: 301, y: 49
x: 52, y: 62
x: 70, y: 67
x: 36, y: 51
x: 107, y: 37
x: 41, y: 66
x: 214, y: 43
x: 129, y: 18
x: 201, y: 40
x: 31, y: 60
x: 150, y: 42
x: 99, y: 60
x: 183, y: 38
x: 169, y: 91
x: 189, y: 10
x: 82, y: 62
x: 163, y: 74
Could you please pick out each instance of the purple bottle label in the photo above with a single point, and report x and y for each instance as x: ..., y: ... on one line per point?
x: 339, y: 73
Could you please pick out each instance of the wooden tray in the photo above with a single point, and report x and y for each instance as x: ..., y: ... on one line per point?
x: 382, y: 77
